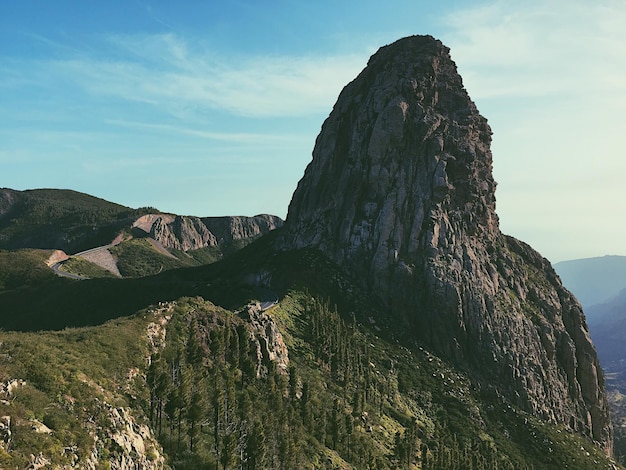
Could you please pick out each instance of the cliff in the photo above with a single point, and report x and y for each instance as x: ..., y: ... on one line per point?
x: 190, y: 233
x: 400, y: 194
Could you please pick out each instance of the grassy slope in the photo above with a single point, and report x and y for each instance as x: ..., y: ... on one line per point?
x: 139, y: 258
x: 69, y: 373
x: 69, y: 377
x: 82, y: 267
x: 24, y: 268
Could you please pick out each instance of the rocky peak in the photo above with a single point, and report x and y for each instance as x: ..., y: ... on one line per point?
x: 175, y: 231
x: 400, y: 194
x: 267, y: 341
x: 403, y: 148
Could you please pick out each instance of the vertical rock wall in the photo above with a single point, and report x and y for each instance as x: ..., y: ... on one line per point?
x: 400, y: 193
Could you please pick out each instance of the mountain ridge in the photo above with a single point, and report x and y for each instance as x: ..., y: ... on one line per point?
x: 595, y: 280
x: 74, y: 222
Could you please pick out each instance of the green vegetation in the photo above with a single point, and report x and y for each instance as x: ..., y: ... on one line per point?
x: 63, y: 384
x: 207, y: 255
x: 356, y: 394
x: 23, y: 268
x: 138, y: 258
x: 68, y: 220
x: 350, y: 398
x: 82, y: 267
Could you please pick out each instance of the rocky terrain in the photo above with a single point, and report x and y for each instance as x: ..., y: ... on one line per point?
x: 400, y: 194
x: 191, y: 233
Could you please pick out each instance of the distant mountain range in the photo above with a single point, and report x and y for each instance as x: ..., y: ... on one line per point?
x: 594, y: 280
x: 137, y: 242
x: 600, y: 284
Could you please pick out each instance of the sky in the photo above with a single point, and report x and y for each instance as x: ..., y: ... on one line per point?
x: 212, y: 108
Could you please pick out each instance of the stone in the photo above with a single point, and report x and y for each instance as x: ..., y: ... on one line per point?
x: 266, y: 340
x: 191, y: 233
x: 400, y: 195
x: 5, y: 430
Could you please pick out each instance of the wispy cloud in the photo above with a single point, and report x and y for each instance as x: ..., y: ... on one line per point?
x: 539, y: 48
x: 175, y: 75
x: 549, y: 75
x: 233, y: 137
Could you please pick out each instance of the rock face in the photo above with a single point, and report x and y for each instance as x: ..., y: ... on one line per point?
x: 191, y: 233
x: 237, y: 228
x: 175, y: 231
x: 400, y: 194
x: 267, y: 341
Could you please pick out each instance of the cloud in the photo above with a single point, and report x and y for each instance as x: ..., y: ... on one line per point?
x: 178, y: 76
x: 232, y: 137
x: 539, y: 48
x: 549, y: 77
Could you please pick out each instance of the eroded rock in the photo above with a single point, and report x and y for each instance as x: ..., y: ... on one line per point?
x: 268, y: 341
x: 400, y: 194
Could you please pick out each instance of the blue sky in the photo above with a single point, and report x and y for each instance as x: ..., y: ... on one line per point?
x: 212, y: 108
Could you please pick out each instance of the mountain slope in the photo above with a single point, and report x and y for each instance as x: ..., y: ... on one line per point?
x: 188, y: 384
x: 188, y: 233
x: 599, y: 284
x: 410, y: 333
x: 59, y: 219
x: 594, y: 280
x: 74, y: 222
x: 400, y: 194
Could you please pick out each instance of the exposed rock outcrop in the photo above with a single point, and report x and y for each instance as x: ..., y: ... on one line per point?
x: 190, y: 233
x: 56, y: 257
x: 175, y: 231
x: 7, y: 200
x: 400, y: 194
x: 267, y: 340
x: 237, y: 228
x: 123, y: 443
x: 5, y: 431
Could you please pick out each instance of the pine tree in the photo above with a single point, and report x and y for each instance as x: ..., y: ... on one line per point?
x: 256, y: 447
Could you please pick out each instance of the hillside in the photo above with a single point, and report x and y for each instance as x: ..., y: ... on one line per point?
x: 135, y: 242
x: 600, y: 285
x: 305, y: 385
x: 60, y: 219
x: 400, y: 193
x: 23, y: 268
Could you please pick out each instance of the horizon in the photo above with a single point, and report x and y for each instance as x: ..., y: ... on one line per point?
x: 213, y: 110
